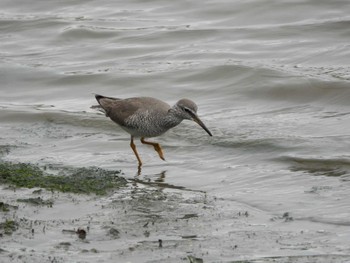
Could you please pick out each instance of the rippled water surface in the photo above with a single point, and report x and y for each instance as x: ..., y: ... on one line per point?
x: 271, y: 80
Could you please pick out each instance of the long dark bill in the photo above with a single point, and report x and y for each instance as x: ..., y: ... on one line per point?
x: 196, y: 119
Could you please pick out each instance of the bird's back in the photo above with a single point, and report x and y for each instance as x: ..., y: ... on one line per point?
x: 141, y: 116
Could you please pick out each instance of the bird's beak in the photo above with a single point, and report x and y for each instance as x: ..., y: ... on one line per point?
x: 196, y: 119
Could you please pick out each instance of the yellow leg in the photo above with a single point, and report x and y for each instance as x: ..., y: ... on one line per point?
x: 156, y: 146
x: 133, y: 147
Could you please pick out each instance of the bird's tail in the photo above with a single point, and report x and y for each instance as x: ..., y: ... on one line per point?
x: 99, y: 107
x: 105, y: 103
x: 99, y: 97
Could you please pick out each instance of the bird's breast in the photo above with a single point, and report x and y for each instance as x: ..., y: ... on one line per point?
x: 144, y: 125
x: 149, y: 124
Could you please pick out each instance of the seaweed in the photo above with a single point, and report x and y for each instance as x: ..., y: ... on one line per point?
x: 75, y: 180
x: 9, y: 226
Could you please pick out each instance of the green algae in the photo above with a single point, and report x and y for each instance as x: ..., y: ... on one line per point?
x: 6, y: 207
x: 91, y: 180
x: 8, y: 227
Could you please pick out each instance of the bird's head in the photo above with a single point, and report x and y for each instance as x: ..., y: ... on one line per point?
x: 187, y: 110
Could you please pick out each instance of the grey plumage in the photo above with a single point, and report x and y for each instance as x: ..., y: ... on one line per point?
x: 148, y: 117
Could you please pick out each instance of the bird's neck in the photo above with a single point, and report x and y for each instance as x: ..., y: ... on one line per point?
x: 172, y: 119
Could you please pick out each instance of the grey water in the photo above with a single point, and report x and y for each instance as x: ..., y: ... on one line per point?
x: 271, y: 80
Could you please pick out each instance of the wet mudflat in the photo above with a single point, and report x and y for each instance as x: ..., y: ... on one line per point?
x: 148, y: 220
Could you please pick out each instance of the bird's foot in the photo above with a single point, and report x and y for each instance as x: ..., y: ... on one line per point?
x: 159, y: 151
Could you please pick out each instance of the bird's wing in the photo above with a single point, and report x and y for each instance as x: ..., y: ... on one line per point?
x: 117, y: 109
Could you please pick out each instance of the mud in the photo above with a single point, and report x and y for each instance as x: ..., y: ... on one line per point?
x: 149, y: 221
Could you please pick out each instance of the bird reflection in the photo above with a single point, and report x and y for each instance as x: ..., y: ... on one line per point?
x: 161, y: 177
x: 157, y: 178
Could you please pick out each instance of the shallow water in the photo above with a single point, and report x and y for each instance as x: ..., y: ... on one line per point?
x: 271, y: 80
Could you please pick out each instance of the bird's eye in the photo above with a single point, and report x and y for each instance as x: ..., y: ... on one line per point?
x: 187, y: 110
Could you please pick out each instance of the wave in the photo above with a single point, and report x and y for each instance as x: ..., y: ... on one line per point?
x: 266, y: 82
x: 301, y: 91
x: 319, y: 167
x: 48, y: 113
